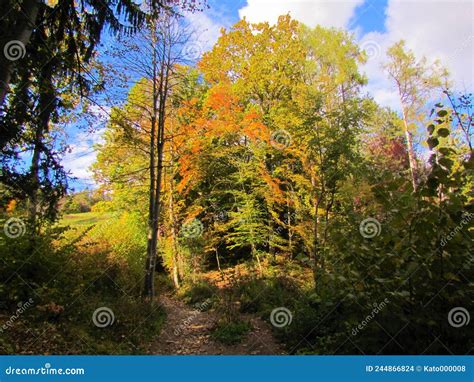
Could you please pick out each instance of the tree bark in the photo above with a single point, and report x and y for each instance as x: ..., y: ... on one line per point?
x: 317, y: 201
x: 290, y: 229
x: 411, y: 153
x: 149, y: 288
x: 21, y: 32
x: 46, y: 105
x: 257, y: 257
x: 161, y: 96
x: 172, y: 218
x: 218, y: 261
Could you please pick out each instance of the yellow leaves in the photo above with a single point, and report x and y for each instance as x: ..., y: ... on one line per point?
x: 256, y: 58
x: 52, y: 3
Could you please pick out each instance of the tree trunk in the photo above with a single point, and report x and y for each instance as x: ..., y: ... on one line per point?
x: 152, y: 234
x: 149, y: 266
x: 46, y: 105
x: 21, y: 32
x: 317, y: 201
x: 290, y: 230
x: 326, y: 226
x: 218, y: 261
x: 34, y: 175
x: 172, y: 218
x: 152, y: 254
x: 161, y: 97
x: 257, y: 257
x: 411, y: 153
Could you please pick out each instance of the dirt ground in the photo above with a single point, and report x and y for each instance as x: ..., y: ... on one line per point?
x: 188, y: 331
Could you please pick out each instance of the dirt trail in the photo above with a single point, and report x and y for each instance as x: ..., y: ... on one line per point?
x: 188, y: 331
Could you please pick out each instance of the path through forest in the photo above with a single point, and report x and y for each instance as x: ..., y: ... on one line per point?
x: 188, y: 331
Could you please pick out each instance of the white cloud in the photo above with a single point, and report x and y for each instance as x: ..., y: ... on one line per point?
x: 206, y: 30
x: 436, y: 29
x: 82, y: 155
x: 380, y: 87
x: 439, y: 29
x: 328, y: 13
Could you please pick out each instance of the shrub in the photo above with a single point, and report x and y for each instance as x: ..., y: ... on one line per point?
x: 198, y: 293
x: 230, y: 333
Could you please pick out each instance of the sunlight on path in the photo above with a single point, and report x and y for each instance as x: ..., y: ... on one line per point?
x: 194, y: 337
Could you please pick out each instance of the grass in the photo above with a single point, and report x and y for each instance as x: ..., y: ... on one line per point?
x: 198, y: 293
x: 132, y: 330
x: 230, y: 333
x: 84, y: 218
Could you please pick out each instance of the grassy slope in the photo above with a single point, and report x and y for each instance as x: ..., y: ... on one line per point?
x: 84, y: 219
x: 61, y: 323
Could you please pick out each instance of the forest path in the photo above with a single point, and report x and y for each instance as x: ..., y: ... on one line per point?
x: 188, y: 331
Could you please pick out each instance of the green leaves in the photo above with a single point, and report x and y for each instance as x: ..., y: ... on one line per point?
x: 445, y: 150
x: 432, y: 142
x: 443, y: 132
x: 445, y: 162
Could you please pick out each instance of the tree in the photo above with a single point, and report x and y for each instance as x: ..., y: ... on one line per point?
x: 383, y: 142
x: 78, y: 202
x: 154, y: 55
x: 462, y: 116
x: 327, y: 115
x: 415, y: 82
x: 78, y: 26
x: 45, y: 71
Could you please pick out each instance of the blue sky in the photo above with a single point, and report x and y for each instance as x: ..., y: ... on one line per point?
x: 440, y: 29
x: 370, y: 16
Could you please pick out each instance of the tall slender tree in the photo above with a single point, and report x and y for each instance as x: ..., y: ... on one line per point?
x: 154, y: 54
x: 415, y: 81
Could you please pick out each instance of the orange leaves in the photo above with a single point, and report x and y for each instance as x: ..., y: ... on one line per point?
x: 275, y: 194
x: 188, y: 171
x: 221, y: 99
x: 254, y: 128
x: 228, y: 118
x: 11, y: 206
x: 220, y: 122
